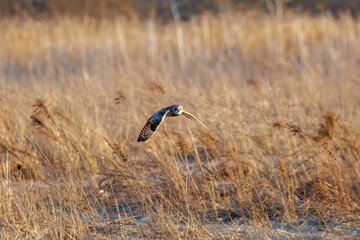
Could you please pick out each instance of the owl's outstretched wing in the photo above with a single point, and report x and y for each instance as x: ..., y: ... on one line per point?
x: 151, y: 125
x: 193, y: 118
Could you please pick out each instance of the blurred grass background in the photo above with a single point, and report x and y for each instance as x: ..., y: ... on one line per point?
x: 161, y: 8
x: 278, y: 87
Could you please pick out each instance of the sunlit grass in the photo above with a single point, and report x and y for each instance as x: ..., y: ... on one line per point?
x: 280, y: 95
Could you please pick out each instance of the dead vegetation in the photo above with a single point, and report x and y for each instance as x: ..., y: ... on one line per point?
x: 280, y: 95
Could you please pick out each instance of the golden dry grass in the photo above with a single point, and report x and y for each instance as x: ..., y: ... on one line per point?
x: 281, y: 95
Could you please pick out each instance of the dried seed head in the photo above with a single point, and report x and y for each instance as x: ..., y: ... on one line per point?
x: 119, y: 152
x: 278, y: 125
x: 182, y: 144
x: 37, y: 122
x: 281, y: 165
x: 323, y: 192
x: 155, y: 87
x: 120, y: 97
x: 327, y: 128
x: 295, y: 130
x: 210, y: 140
x: 40, y: 108
x: 257, y: 87
x: 254, y: 83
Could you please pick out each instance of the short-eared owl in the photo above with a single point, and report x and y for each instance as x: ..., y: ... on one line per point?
x: 153, y: 123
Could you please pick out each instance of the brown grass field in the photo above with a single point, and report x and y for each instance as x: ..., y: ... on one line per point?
x: 279, y: 93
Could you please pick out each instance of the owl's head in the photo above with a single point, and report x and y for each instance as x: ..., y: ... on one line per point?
x: 178, y: 109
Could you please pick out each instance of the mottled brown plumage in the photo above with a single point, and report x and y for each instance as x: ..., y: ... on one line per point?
x: 153, y: 123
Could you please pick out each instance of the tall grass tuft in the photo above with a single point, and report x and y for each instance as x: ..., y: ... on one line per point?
x: 279, y: 93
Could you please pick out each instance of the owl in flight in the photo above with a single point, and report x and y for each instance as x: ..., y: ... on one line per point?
x: 153, y: 123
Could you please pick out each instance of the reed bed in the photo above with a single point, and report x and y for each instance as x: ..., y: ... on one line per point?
x: 279, y: 93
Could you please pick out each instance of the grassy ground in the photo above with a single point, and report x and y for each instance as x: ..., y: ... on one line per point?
x: 280, y: 95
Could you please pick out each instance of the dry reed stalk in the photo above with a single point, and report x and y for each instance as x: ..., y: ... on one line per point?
x: 119, y: 152
x: 182, y: 144
x: 120, y: 97
x: 281, y: 165
x: 327, y: 129
x: 5, y: 117
x: 40, y: 108
x: 211, y: 141
x: 298, y: 56
x: 39, y: 118
x: 40, y: 124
